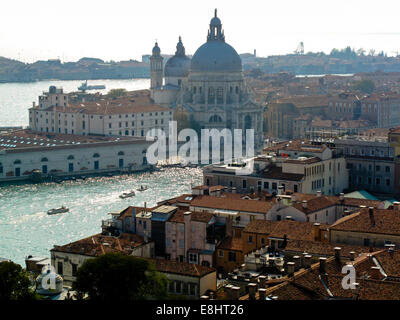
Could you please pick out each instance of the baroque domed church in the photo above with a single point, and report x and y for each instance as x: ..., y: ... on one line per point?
x: 210, y: 86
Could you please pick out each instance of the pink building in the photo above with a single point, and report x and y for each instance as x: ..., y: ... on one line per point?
x: 190, y: 237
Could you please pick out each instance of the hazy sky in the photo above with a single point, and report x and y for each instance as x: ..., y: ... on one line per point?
x: 119, y: 30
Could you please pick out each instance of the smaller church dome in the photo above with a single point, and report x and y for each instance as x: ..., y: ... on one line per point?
x: 179, y: 64
x: 156, y: 50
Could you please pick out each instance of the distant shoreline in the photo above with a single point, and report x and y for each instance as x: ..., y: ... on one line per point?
x: 58, y: 79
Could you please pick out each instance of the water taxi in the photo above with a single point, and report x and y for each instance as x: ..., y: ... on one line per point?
x: 58, y: 210
x: 127, y: 195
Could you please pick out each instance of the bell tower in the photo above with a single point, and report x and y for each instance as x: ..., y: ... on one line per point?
x: 156, y: 68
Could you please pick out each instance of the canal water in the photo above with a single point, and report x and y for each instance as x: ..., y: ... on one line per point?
x: 25, y: 227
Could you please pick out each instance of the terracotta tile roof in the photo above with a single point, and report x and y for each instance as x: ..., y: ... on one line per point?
x: 182, y: 268
x: 277, y: 174
x: 139, y: 101
x: 178, y: 217
x: 316, y: 203
x: 260, y: 226
x: 384, y: 222
x: 324, y: 248
x: 390, y: 262
x: 292, y: 229
x: 310, y: 284
x: 227, y: 203
x: 100, y: 244
x: 231, y: 243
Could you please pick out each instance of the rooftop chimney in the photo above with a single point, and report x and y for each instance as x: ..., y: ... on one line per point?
x: 319, y: 193
x: 371, y: 215
x: 337, y: 253
x: 289, y: 218
x: 396, y: 205
x: 252, y: 290
x: 204, y: 298
x: 262, y: 279
x: 304, y: 202
x: 297, y: 262
x: 322, y: 265
x: 290, y: 268
x: 376, y: 273
x: 233, y: 189
x: 280, y: 190
x: 307, y: 261
x: 317, y: 232
x: 262, y: 293
x: 341, y: 196
x: 346, y: 213
x: 228, y: 292
x: 293, y: 197
x: 235, y: 293
x: 352, y: 255
x: 356, y: 290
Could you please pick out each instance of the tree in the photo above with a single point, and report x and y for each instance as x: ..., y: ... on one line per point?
x: 15, y: 283
x: 366, y: 86
x: 116, y: 93
x: 114, y: 276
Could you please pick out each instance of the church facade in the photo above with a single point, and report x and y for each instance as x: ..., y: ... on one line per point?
x: 210, y: 86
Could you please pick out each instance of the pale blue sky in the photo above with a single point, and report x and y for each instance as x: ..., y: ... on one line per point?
x: 119, y: 29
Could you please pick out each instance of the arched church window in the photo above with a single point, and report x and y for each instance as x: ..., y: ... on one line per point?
x: 194, y: 90
x: 215, y: 119
x: 200, y: 90
x: 230, y: 89
x: 237, y: 89
x: 17, y: 161
x: 96, y: 155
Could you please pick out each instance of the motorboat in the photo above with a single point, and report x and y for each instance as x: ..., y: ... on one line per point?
x: 127, y: 195
x: 143, y: 188
x: 58, y: 210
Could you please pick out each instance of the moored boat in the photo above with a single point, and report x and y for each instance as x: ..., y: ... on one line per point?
x: 58, y: 210
x: 127, y: 195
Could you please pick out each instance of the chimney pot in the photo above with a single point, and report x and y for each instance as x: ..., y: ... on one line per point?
x: 290, y: 268
x: 262, y: 279
x: 341, y: 196
x: 317, y: 232
x: 297, y: 262
x: 262, y: 293
x: 307, y: 261
x: 235, y: 293
x: 352, y: 255
x: 319, y: 193
x: 252, y: 290
x: 304, y: 202
x: 337, y: 253
x: 204, y: 298
x: 322, y: 265
x: 396, y: 205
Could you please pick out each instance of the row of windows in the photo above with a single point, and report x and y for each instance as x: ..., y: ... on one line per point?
x: 70, y: 157
x: 360, y: 167
x: 359, y: 180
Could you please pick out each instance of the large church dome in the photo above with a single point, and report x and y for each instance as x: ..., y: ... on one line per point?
x: 179, y: 64
x: 216, y: 55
